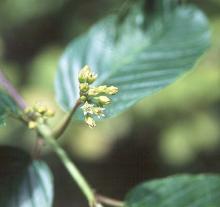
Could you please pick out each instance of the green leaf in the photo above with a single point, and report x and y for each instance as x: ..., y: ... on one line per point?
x: 140, y: 56
x: 7, y: 107
x: 24, y: 183
x: 181, y: 191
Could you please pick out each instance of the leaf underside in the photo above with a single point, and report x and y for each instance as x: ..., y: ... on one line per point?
x: 139, y: 59
x: 177, y: 191
x: 24, y: 183
x: 7, y: 107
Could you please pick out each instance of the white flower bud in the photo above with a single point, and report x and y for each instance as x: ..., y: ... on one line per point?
x: 90, y: 122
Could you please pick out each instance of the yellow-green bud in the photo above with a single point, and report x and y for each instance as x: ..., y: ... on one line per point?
x: 102, y: 89
x: 40, y: 108
x: 50, y: 113
x: 111, y: 90
x: 86, y: 76
x: 93, y: 92
x: 84, y: 87
x: 90, y: 122
x: 92, y: 77
x: 84, y: 73
x: 103, y: 100
x: 97, y: 90
x: 32, y: 124
x: 83, y: 98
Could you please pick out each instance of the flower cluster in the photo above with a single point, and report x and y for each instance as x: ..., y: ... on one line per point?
x: 39, y: 113
x: 94, y: 99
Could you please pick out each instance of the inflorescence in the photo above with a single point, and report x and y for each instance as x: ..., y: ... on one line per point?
x: 39, y: 113
x: 94, y: 99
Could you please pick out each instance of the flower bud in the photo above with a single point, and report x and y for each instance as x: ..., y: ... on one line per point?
x: 93, y: 92
x: 32, y: 124
x: 50, y: 113
x: 91, y: 78
x: 111, y: 90
x: 40, y: 108
x: 97, y: 90
x: 84, y: 87
x: 90, y: 122
x: 84, y: 73
x: 102, y: 89
x: 86, y: 76
x: 103, y: 100
x: 83, y: 98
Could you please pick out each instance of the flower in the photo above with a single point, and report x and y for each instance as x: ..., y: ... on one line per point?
x: 37, y: 114
x: 99, y: 111
x: 87, y: 108
x: 93, y: 98
x: 90, y: 122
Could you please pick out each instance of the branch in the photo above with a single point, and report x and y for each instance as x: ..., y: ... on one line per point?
x: 61, y: 129
x: 46, y: 133
x: 5, y: 83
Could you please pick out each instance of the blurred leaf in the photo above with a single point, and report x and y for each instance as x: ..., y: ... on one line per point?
x: 138, y: 61
x: 24, y: 183
x: 186, y: 138
x: 25, y: 10
x: 181, y: 191
x: 7, y: 106
x: 2, y: 121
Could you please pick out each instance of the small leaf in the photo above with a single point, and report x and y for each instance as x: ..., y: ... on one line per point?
x: 140, y: 55
x: 181, y: 191
x: 7, y: 107
x: 24, y: 183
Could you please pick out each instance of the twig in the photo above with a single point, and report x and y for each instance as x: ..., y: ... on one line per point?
x: 46, y: 133
x: 61, y: 129
x: 12, y: 91
x: 109, y: 201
